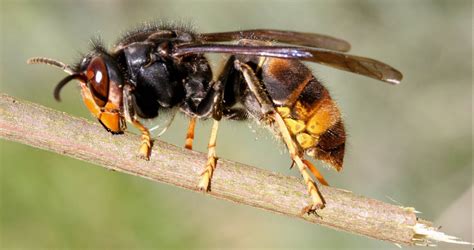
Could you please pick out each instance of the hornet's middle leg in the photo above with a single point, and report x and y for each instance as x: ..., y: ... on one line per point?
x: 210, y: 106
x: 190, y: 134
x: 206, y: 176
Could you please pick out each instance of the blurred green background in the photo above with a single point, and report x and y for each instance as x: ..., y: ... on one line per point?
x: 408, y: 144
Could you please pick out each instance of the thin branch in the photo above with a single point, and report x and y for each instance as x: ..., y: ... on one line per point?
x: 48, y: 129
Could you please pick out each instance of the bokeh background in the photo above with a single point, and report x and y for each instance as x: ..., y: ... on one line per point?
x: 408, y: 144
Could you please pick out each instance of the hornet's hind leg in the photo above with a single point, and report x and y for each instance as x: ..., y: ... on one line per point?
x: 271, y: 116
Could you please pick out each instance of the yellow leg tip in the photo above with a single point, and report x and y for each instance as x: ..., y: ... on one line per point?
x: 144, y: 152
x: 188, y: 146
x: 206, y: 175
x: 316, y: 198
x: 317, y: 204
x: 204, y: 184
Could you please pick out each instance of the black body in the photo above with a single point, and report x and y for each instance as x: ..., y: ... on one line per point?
x: 161, y: 67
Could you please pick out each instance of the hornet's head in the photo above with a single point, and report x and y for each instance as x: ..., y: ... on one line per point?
x: 101, y: 86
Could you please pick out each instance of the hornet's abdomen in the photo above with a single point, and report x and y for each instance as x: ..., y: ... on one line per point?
x: 310, y: 114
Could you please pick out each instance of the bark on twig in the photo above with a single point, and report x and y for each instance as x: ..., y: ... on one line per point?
x: 48, y: 129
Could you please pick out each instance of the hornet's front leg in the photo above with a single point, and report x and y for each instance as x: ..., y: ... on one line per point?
x: 130, y: 116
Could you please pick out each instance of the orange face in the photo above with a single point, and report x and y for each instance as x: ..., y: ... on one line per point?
x: 109, y: 115
x: 102, y: 96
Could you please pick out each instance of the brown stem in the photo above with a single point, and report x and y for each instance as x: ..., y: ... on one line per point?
x: 41, y: 127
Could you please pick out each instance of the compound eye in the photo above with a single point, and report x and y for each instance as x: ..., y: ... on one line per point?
x: 98, y: 81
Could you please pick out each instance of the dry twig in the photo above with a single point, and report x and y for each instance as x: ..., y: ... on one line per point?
x: 44, y: 128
